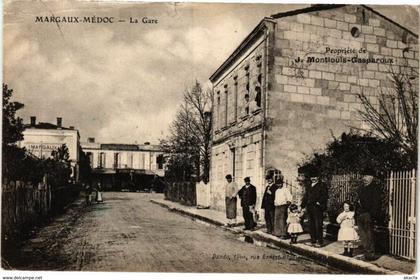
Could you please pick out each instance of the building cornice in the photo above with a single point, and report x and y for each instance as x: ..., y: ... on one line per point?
x: 236, y: 134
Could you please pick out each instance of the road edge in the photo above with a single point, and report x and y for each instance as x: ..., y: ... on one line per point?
x: 316, y: 254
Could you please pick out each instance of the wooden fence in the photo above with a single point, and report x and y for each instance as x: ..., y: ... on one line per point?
x: 182, y: 192
x: 25, y: 206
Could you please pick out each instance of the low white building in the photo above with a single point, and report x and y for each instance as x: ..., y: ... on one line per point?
x: 118, y: 165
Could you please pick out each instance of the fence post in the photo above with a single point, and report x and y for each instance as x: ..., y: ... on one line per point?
x: 412, y: 218
x: 391, y: 212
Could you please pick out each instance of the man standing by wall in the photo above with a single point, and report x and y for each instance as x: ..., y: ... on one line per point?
x: 315, y: 202
x: 268, y: 203
x: 366, y: 209
x: 231, y: 190
x: 248, y: 196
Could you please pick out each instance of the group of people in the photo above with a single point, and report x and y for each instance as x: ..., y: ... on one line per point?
x: 283, y: 218
x: 93, y: 194
x: 276, y: 202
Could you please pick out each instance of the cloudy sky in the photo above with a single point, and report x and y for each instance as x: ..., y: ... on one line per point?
x: 122, y: 82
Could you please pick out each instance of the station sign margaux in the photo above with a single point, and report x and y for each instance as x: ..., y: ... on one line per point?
x: 42, y: 149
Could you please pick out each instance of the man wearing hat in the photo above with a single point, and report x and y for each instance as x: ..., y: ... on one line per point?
x: 231, y: 191
x: 248, y: 196
x: 268, y: 203
x: 366, y: 209
x: 315, y: 202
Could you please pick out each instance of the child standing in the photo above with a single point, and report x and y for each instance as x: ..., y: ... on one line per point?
x: 293, y: 220
x: 347, y: 233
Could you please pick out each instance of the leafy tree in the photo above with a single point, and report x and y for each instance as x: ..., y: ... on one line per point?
x: 12, y: 126
x: 17, y: 164
x: 395, y: 118
x: 61, y: 154
x: 190, y: 135
x: 12, y: 132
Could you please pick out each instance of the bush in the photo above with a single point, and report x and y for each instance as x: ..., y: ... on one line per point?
x: 354, y: 153
x: 336, y: 197
x: 21, y: 166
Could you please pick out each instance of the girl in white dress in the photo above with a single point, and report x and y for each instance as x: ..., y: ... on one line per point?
x: 347, y: 233
x: 293, y: 221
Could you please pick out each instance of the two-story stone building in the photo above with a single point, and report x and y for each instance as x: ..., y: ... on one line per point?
x: 293, y: 83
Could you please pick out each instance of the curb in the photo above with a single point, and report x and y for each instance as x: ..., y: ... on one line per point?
x: 195, y: 216
x: 315, y: 254
x: 323, y: 257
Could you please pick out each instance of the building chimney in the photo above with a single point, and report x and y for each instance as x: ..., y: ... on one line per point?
x: 91, y: 140
x: 59, y: 122
x: 33, y: 120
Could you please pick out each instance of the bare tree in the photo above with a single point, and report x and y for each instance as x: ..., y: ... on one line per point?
x: 395, y: 117
x: 190, y: 135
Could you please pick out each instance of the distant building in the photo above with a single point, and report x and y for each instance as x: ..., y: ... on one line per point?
x: 125, y: 166
x: 293, y: 82
x: 40, y: 139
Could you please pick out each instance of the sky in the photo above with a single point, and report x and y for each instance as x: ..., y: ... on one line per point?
x: 123, y: 82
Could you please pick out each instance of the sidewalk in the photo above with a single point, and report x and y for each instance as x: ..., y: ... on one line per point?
x: 329, y: 254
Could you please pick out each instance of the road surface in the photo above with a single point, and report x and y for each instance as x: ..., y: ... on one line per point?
x: 129, y: 233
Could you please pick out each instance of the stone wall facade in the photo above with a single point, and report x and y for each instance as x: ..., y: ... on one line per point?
x: 311, y: 100
x: 241, y: 157
x: 237, y: 119
x: 293, y: 84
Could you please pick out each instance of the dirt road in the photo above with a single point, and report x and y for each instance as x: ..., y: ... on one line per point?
x: 129, y: 233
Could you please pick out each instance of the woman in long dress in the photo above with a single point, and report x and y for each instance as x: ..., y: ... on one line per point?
x: 99, y: 194
x: 231, y: 200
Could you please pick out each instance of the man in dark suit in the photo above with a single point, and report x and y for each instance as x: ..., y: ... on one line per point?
x: 268, y: 203
x: 367, y: 208
x: 315, y: 202
x: 248, y: 196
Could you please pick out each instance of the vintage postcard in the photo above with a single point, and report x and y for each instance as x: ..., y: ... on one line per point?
x: 209, y: 137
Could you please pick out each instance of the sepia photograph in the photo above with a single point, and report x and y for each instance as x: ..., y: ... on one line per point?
x: 188, y: 137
